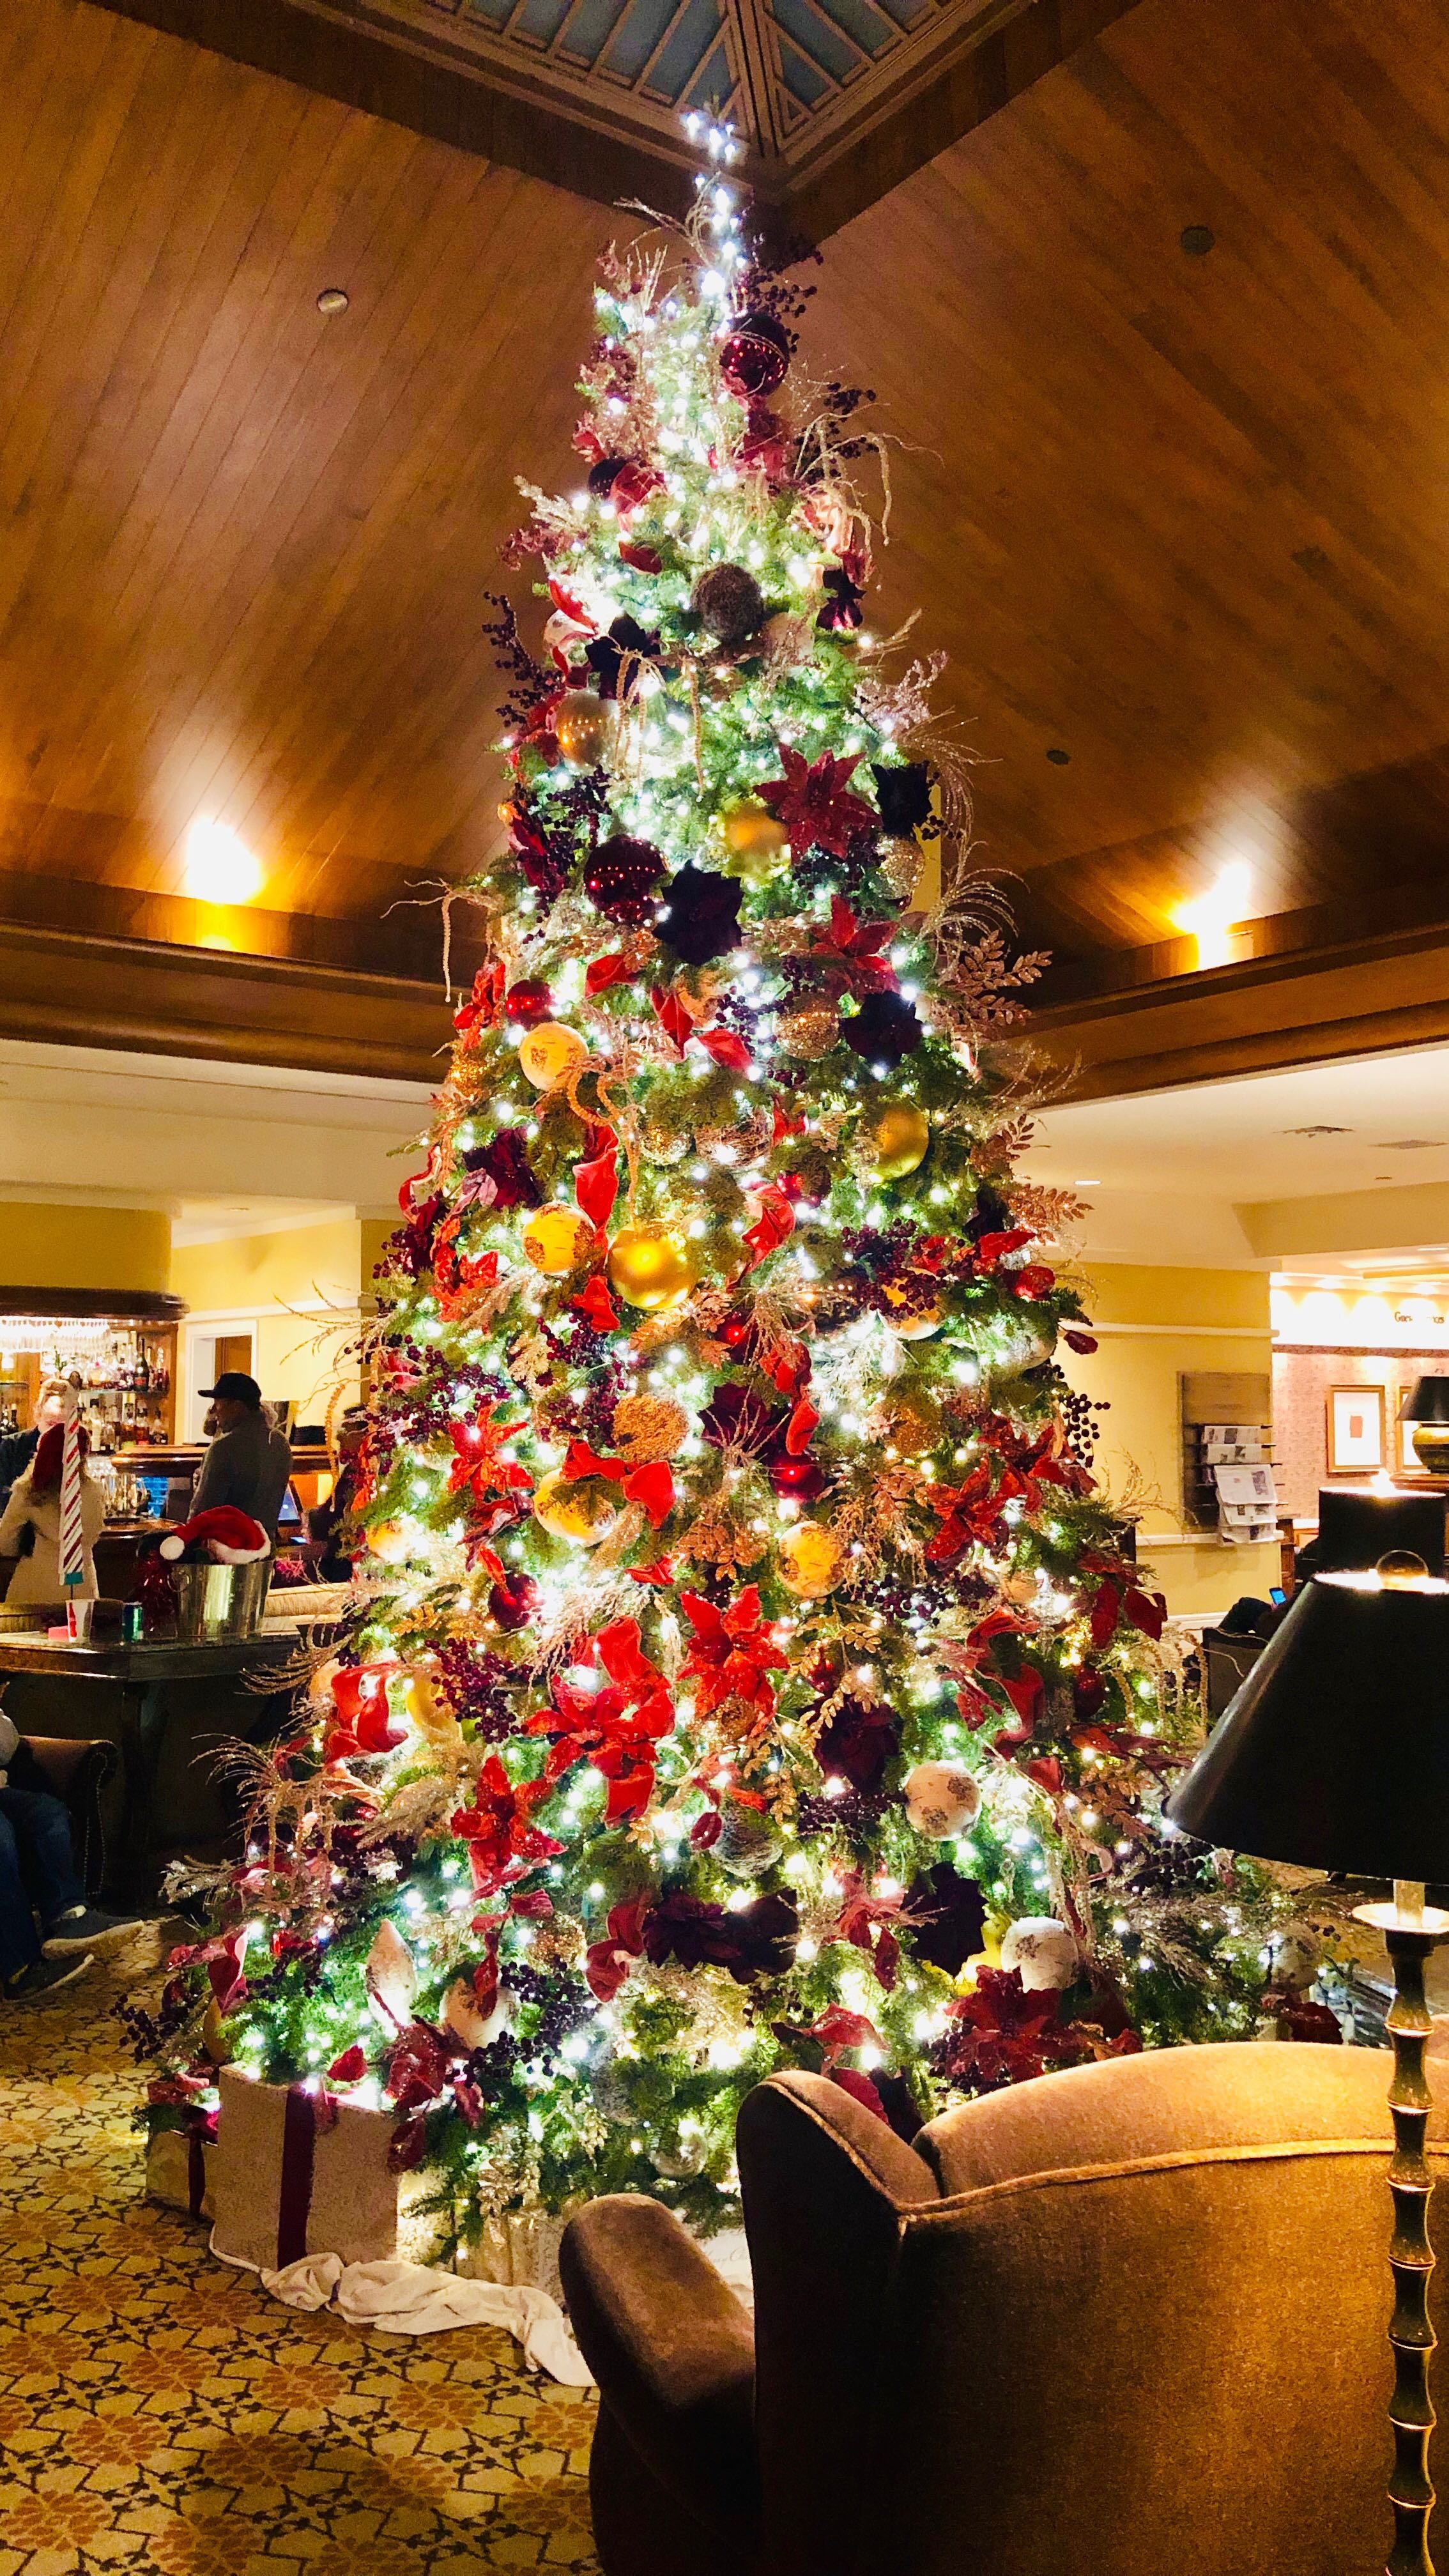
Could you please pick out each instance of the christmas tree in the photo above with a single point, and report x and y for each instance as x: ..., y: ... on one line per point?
x: 747, y: 1673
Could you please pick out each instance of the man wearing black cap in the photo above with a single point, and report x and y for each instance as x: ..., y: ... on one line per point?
x: 248, y: 1463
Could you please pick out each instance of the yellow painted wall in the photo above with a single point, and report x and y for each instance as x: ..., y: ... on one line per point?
x: 300, y: 1350
x: 1167, y: 1321
x: 84, y: 1247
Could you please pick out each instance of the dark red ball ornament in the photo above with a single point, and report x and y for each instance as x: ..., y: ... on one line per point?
x: 621, y: 876
x: 755, y: 358
x: 527, y: 1002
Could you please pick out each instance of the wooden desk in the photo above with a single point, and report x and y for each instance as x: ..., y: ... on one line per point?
x: 167, y: 1707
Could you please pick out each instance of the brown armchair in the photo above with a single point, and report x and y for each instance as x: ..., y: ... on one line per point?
x: 1121, y: 2321
x: 77, y: 1773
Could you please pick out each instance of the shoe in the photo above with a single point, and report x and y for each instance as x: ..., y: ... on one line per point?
x: 86, y: 1928
x: 44, y: 1977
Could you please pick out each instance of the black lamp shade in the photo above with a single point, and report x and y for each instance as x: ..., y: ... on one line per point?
x: 1335, y: 1752
x: 1426, y: 1401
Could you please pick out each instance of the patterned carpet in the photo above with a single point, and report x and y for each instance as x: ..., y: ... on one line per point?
x: 158, y: 2411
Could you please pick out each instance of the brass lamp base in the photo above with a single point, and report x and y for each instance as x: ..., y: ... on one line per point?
x: 1411, y: 1930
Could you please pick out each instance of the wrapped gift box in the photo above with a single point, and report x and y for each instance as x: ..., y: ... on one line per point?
x: 179, y: 2161
x: 520, y: 2250
x: 296, y: 2173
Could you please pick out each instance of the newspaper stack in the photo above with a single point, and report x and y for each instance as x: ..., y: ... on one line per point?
x: 1235, y: 1456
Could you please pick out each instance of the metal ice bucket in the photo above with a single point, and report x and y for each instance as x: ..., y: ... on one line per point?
x: 220, y: 1600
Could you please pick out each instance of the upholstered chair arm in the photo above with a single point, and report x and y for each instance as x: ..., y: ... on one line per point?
x: 673, y: 2352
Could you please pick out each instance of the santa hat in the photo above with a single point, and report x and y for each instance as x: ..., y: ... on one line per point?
x: 227, y: 1536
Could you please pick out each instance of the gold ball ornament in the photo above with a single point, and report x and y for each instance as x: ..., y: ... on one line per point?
x: 555, y: 1239
x: 389, y: 1541
x: 812, y: 1560
x: 908, y: 1326
x: 899, y: 1139
x: 583, y: 1512
x: 583, y: 725
x: 551, y: 1054
x: 913, y: 1421
x: 652, y: 1265
x: 214, y: 2041
x: 900, y: 861
x: 757, y: 847
x: 809, y: 1032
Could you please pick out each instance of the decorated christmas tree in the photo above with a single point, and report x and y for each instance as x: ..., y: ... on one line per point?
x: 747, y: 1672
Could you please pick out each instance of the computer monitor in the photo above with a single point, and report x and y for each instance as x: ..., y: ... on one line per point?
x: 1355, y: 1530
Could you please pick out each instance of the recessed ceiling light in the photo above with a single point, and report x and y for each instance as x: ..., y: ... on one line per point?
x: 1086, y: 1185
x: 1408, y: 1144
x: 1197, y: 240
x: 1318, y: 1131
x: 1058, y: 758
x: 219, y: 867
x: 333, y: 299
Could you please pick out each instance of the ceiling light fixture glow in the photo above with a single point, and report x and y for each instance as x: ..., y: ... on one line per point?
x: 219, y: 868
x: 1213, y: 917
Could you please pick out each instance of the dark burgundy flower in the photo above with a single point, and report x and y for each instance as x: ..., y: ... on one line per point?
x: 884, y: 1029
x: 736, y: 1415
x: 903, y: 793
x: 861, y: 1737
x: 757, y: 1941
x: 505, y: 1160
x: 842, y: 609
x: 947, y: 1917
x: 701, y: 915
x: 607, y: 656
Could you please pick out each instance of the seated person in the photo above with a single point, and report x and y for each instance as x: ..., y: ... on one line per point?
x: 325, y: 1520
x: 30, y: 1525
x: 38, y: 1875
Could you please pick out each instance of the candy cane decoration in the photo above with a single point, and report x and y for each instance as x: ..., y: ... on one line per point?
x: 72, y: 1535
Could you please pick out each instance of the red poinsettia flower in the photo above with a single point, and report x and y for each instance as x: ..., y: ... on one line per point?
x: 814, y: 802
x: 503, y: 1842
x: 733, y: 1653
x: 616, y: 1726
x: 869, y: 1924
x: 848, y: 956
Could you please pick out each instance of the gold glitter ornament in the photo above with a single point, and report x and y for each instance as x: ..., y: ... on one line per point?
x: 663, y: 1143
x: 652, y: 1265
x: 913, y: 1421
x: 809, y: 1031
x: 898, y: 1139
x: 555, y: 1239
x: 811, y: 1558
x: 900, y: 861
x: 748, y: 1843
x: 551, y: 1054
x: 583, y: 1512
x: 583, y: 726
x: 649, y: 1426
x: 757, y: 847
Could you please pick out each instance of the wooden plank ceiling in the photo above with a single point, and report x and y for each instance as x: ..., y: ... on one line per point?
x: 1177, y: 513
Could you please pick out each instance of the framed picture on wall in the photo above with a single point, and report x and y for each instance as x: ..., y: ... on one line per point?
x: 1355, y: 1430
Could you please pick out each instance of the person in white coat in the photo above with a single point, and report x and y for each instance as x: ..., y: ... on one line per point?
x: 34, y: 1506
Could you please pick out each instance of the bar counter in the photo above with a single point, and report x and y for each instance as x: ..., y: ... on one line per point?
x: 167, y: 1707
